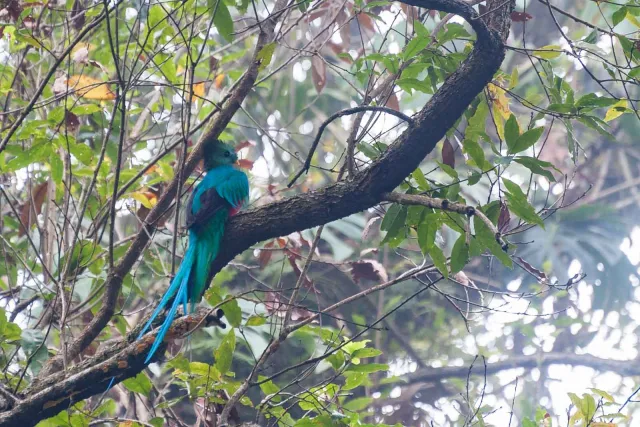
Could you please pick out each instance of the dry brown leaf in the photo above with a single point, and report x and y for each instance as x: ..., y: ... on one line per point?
x: 318, y: 73
x: 448, y: 154
x: 71, y: 122
x: 32, y: 207
x: 90, y: 88
x: 368, y: 269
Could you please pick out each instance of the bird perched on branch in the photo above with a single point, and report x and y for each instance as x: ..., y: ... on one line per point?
x: 218, y: 196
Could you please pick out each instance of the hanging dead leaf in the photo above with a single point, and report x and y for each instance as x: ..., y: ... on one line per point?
x: 265, y: 254
x: 77, y: 15
x: 214, y: 63
x: 393, y: 102
x: 368, y: 269
x: 520, y: 16
x: 448, y: 155
x: 504, y: 218
x: 98, y: 65
x: 244, y: 144
x: 90, y: 88
x: 365, y: 21
x: 245, y: 164
x: 273, y: 304
x: 369, y: 227
x: 318, y: 73
x: 539, y: 275
x: 71, y: 122
x: 32, y: 207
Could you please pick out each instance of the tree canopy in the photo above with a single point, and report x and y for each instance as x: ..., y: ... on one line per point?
x: 441, y: 229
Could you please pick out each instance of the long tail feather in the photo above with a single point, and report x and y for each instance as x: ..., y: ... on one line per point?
x: 178, y: 289
x: 181, y: 298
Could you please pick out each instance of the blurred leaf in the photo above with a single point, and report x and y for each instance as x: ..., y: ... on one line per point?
x: 519, y: 205
x: 138, y: 384
x: 224, y: 354
x: 90, y: 88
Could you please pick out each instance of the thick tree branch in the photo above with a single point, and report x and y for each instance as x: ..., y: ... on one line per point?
x: 121, y: 360
x: 624, y: 368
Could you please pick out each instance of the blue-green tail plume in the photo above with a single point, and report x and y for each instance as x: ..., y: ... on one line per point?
x: 219, y: 195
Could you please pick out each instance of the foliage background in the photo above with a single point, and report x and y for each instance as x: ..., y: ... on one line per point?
x: 102, y: 102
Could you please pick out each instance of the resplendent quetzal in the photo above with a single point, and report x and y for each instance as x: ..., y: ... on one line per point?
x: 218, y: 196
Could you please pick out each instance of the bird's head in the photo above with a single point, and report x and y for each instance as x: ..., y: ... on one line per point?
x: 217, y: 153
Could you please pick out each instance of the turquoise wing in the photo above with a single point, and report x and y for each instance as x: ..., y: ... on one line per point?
x: 234, y: 189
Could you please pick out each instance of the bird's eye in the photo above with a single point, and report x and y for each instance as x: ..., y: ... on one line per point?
x: 227, y: 153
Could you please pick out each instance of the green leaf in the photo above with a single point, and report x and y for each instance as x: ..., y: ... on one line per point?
x: 526, y: 140
x: 156, y: 16
x: 56, y: 168
x: 548, y: 52
x: 448, y: 170
x: 519, y: 205
x: 82, y: 152
x: 138, y: 384
x: 459, y: 254
x: 364, y: 353
x: 83, y: 110
x: 595, y: 101
x: 618, y: 16
x: 224, y: 353
x: 352, y: 346
x: 473, y: 149
x: 427, y: 232
x: 513, y: 81
x: 232, y: 312
x: 511, y: 130
x: 414, y: 47
x: 439, y: 260
x: 265, y: 55
x: 485, y: 237
x: 592, y: 38
x: 589, y: 407
x: 222, y: 19
x: 353, y: 380
x: 368, y: 368
x: 537, y: 166
x: 256, y: 321
x: 422, y: 182
x: 606, y: 396
x: 358, y: 404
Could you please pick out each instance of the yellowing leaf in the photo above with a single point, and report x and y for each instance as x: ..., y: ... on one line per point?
x: 218, y: 81
x: 499, y: 100
x: 616, y: 110
x: 548, y: 52
x: 146, y: 198
x: 633, y: 20
x: 198, y: 89
x: 90, y: 88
